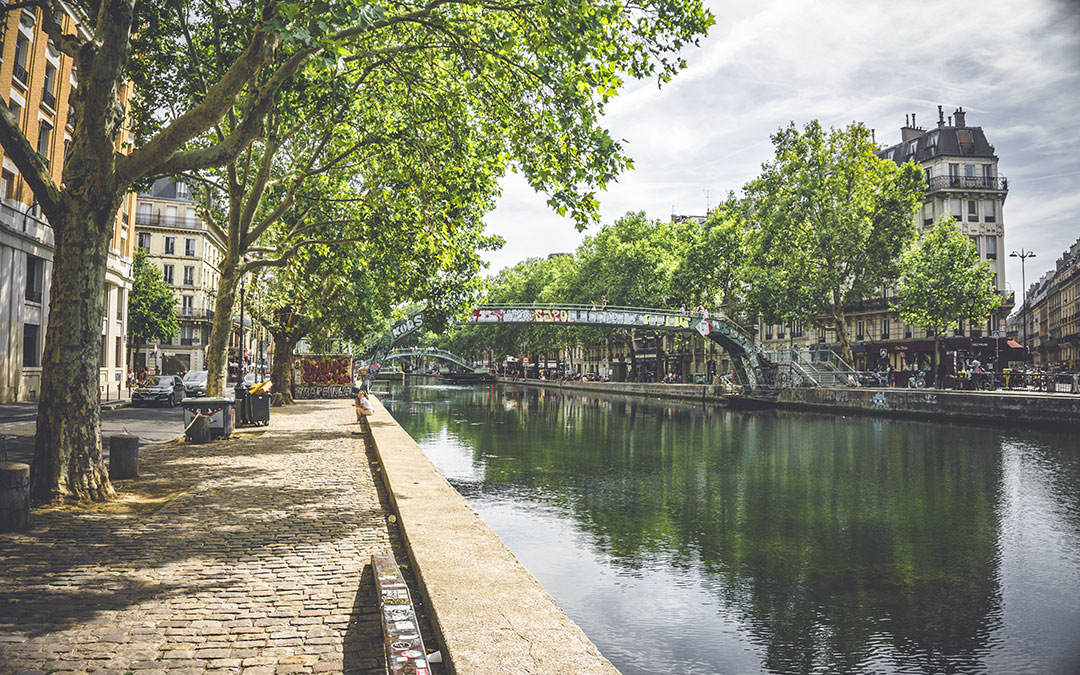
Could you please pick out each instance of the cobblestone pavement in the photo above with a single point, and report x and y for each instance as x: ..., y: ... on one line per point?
x: 262, y: 566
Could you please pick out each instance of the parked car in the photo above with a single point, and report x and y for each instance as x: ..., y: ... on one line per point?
x: 167, y: 389
x: 195, y: 383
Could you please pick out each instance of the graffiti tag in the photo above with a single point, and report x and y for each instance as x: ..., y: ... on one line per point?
x: 407, y: 326
x: 552, y: 315
x: 320, y: 371
x: 324, y: 391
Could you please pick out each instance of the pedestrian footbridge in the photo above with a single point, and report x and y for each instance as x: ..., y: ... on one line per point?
x: 752, y: 369
x: 431, y: 353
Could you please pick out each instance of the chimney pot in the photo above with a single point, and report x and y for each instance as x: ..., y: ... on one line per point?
x: 940, y: 117
x: 913, y: 119
x: 907, y: 120
x: 959, y: 115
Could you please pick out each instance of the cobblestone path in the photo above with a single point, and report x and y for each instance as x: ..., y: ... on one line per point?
x: 261, y: 566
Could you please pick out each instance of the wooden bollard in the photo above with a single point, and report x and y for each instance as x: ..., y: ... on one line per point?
x: 14, y: 497
x: 123, y: 456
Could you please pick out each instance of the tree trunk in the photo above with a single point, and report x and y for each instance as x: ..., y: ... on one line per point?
x: 68, y: 460
x: 281, y: 375
x: 633, y: 358
x: 840, y: 326
x: 661, y: 357
x: 217, y: 348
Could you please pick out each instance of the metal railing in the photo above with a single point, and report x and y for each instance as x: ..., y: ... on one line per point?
x: 20, y: 74
x: 969, y: 182
x: 168, y: 221
x: 48, y: 98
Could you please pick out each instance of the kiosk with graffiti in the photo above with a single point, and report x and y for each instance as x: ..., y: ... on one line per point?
x: 324, y: 377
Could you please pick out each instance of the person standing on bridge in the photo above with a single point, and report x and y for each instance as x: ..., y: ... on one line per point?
x: 603, y: 302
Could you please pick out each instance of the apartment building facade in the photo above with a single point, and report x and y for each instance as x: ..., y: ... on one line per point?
x: 962, y: 180
x: 188, y: 253
x: 36, y: 81
x: 1053, y: 313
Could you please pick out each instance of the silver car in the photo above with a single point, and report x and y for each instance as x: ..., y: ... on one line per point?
x: 195, y: 383
x: 167, y: 389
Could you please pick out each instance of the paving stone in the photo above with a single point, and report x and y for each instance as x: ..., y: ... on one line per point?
x: 254, y: 569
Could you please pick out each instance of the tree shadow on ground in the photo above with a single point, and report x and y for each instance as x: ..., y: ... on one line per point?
x: 72, y: 567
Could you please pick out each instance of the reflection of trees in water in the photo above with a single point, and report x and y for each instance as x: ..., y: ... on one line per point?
x: 833, y: 537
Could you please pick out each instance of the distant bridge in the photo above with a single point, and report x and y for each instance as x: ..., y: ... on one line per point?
x: 752, y: 369
x: 431, y: 353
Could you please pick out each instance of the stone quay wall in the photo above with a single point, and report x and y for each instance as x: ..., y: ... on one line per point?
x: 490, y: 613
x: 1030, y: 409
x: 686, y: 392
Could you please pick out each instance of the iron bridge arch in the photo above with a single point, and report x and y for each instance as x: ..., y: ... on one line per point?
x: 751, y: 368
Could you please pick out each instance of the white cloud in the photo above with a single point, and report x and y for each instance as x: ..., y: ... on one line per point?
x: 1014, y: 67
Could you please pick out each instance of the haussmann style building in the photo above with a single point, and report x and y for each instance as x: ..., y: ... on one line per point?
x: 36, y: 80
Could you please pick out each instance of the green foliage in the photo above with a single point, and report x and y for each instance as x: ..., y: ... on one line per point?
x: 151, y: 305
x: 944, y: 281
x: 829, y: 221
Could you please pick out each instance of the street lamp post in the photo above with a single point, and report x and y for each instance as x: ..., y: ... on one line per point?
x: 1023, y: 255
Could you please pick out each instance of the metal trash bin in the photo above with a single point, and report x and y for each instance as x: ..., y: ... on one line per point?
x: 258, y: 409
x: 220, y: 410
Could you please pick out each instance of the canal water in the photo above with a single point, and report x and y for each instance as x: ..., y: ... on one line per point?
x: 692, y: 539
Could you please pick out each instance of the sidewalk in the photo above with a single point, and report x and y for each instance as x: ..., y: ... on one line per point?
x: 260, y: 566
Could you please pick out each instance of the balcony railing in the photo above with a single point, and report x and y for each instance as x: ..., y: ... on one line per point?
x: 168, y: 221
x: 20, y: 74
x: 48, y: 98
x: 969, y: 183
x: 195, y: 314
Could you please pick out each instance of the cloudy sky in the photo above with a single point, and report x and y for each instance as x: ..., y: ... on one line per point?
x: 1013, y: 66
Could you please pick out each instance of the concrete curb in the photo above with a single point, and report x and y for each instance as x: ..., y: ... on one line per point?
x: 491, y: 614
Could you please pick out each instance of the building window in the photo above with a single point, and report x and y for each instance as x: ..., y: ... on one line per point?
x: 907, y: 331
x: 170, y: 215
x: 185, y: 335
x: 768, y: 331
x: 780, y: 331
x: 959, y: 332
x: 969, y: 171
x: 144, y: 240
x: 858, y: 330
x: 170, y: 245
x: 973, y: 211
x: 187, y: 309
x: 31, y: 351
x: 955, y: 208
x: 993, y: 322
x: 975, y: 242
x: 991, y: 247
x: 104, y: 352
x: 884, y: 329
x: 189, y: 276
x: 143, y: 214
x: 44, y: 140
x: 189, y: 246
x: 167, y: 270
x: 119, y: 351
x: 182, y: 190
x: 796, y: 329
x: 48, y: 88
x: 22, y: 48
x: 821, y: 335
x: 7, y: 186
x: 989, y: 210
x: 119, y: 304
x: 35, y: 278
x: 954, y: 175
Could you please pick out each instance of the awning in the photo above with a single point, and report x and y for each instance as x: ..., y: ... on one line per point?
x: 1013, y: 344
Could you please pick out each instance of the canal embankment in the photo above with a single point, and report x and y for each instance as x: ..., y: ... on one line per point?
x: 1011, y: 408
x: 490, y: 613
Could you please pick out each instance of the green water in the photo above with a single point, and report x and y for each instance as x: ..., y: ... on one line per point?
x: 691, y: 539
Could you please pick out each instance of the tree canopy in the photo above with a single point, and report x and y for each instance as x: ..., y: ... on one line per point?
x: 828, y: 221
x: 151, y: 304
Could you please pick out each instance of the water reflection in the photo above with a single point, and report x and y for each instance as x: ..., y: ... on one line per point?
x: 690, y: 539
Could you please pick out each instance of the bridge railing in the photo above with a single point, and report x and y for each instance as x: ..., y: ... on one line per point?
x: 620, y: 308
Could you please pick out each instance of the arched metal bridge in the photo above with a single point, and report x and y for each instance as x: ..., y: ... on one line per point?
x: 432, y: 353
x: 752, y: 369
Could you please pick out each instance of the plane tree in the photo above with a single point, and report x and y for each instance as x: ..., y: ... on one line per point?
x: 943, y: 282
x: 828, y: 222
x: 537, y: 77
